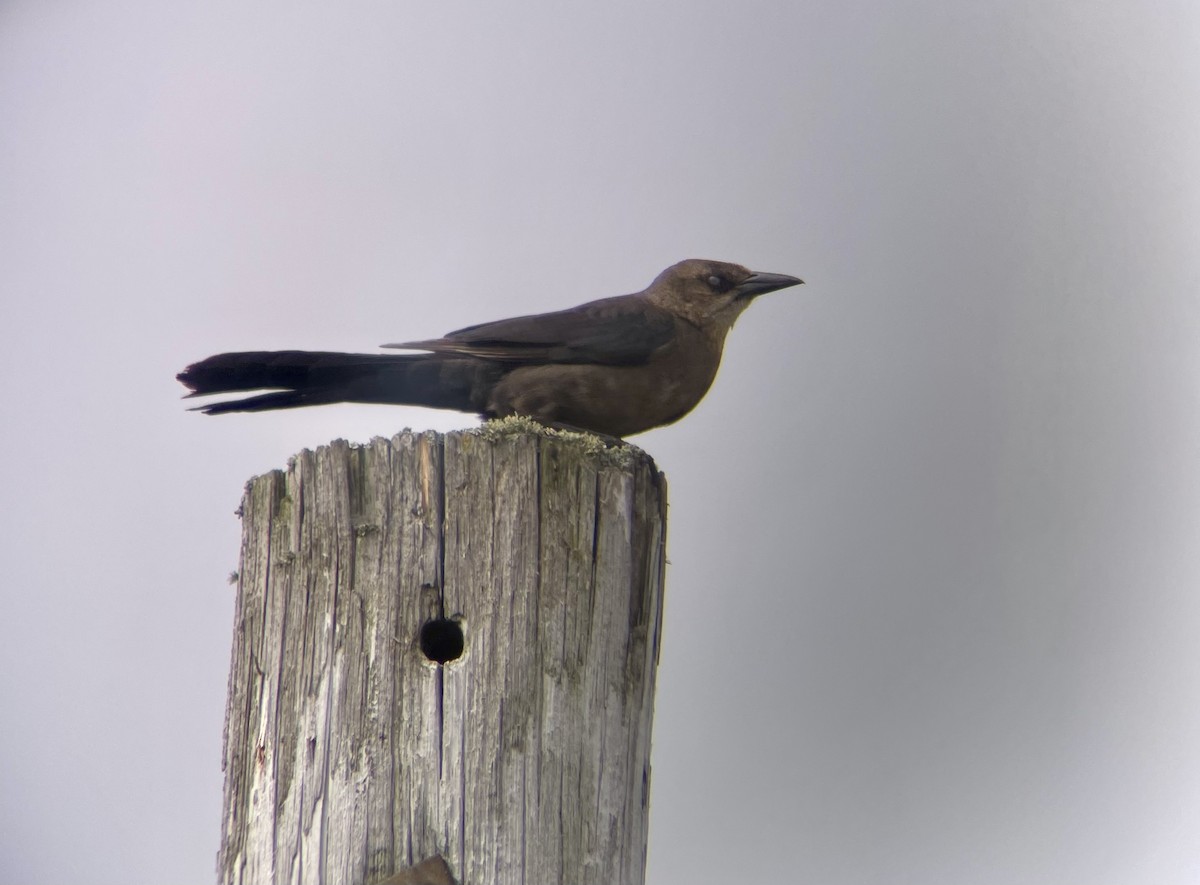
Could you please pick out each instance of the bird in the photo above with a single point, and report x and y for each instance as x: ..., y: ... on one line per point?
x: 615, y: 367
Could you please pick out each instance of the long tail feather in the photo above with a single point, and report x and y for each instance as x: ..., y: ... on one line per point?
x: 310, y: 378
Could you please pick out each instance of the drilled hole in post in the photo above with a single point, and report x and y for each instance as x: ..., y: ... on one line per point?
x: 441, y: 640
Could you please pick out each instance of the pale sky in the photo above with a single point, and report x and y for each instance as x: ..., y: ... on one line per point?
x: 934, y: 592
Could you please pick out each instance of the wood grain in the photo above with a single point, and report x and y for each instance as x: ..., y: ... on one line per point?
x: 349, y: 755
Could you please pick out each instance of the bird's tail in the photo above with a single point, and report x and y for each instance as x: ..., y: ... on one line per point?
x: 310, y: 378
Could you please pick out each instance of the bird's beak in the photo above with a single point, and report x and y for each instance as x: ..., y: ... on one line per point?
x: 761, y: 283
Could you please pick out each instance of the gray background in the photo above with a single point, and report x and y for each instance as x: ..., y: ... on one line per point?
x: 932, y: 611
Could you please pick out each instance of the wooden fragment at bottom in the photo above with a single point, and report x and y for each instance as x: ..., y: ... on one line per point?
x: 431, y: 871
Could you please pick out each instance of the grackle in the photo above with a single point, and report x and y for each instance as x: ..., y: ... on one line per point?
x: 616, y: 367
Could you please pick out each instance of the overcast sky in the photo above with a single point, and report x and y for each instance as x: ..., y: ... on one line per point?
x: 934, y: 593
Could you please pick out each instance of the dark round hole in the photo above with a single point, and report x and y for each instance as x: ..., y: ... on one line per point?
x: 442, y: 640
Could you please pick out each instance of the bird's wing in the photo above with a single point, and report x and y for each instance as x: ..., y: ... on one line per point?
x: 621, y: 331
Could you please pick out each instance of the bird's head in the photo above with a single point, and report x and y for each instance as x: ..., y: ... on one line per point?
x: 712, y: 294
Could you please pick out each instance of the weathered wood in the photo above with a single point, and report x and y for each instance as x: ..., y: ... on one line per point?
x: 350, y: 755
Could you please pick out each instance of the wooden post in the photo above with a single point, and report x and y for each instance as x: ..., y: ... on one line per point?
x: 350, y: 754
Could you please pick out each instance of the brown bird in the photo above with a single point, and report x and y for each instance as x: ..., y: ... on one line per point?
x: 617, y: 366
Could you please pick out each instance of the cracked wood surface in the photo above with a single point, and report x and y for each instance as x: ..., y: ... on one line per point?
x: 349, y: 755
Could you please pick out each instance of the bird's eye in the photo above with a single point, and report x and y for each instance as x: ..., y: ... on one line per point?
x: 718, y: 283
